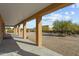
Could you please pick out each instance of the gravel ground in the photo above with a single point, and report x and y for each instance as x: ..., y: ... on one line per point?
x: 68, y: 46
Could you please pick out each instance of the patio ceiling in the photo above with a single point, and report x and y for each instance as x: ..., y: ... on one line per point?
x: 17, y: 13
x: 14, y: 13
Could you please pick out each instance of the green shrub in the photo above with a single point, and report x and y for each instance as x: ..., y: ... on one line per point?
x: 66, y: 27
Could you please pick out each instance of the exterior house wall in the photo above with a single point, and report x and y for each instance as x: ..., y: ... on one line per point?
x: 2, y: 29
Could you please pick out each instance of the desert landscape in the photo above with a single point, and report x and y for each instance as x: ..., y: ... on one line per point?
x: 68, y: 45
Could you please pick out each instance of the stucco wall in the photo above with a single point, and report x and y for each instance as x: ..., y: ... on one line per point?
x: 2, y: 27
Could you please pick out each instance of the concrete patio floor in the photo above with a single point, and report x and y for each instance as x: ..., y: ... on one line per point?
x: 13, y: 45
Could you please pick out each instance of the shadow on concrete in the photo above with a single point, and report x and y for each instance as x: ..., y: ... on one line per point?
x: 18, y: 37
x: 9, y: 45
x: 25, y: 42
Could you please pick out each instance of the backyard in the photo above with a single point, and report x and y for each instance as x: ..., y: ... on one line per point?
x: 60, y: 30
x: 64, y: 37
x: 68, y: 45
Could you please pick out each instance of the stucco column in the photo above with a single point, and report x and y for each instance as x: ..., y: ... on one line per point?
x: 38, y: 31
x: 24, y: 30
x: 18, y: 30
x: 14, y: 30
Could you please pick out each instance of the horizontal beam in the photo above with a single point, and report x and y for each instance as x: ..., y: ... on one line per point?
x: 9, y: 25
x: 51, y: 8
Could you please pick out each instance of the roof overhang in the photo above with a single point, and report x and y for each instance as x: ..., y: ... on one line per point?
x: 14, y: 13
x: 50, y: 8
x: 17, y: 13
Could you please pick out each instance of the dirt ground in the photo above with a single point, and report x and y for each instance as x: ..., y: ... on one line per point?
x: 67, y: 46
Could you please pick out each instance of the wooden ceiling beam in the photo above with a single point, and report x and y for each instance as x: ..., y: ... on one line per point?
x: 51, y: 8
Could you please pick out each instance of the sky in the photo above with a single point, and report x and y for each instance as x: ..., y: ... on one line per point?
x: 67, y: 13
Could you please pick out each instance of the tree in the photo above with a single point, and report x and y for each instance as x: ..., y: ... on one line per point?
x: 45, y: 28
x: 66, y: 27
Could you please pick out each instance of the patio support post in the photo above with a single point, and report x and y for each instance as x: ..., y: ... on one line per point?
x: 18, y: 30
x: 14, y: 30
x: 24, y: 30
x: 39, y: 31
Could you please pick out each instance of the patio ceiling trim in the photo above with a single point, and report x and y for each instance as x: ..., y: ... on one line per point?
x: 51, y: 8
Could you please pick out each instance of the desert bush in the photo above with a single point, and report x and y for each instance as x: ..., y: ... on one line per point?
x: 66, y: 27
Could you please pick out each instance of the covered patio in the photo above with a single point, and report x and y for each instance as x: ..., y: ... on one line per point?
x: 13, y: 45
x: 16, y: 14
